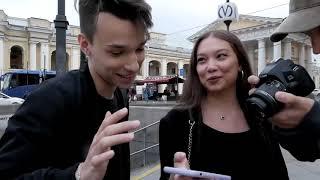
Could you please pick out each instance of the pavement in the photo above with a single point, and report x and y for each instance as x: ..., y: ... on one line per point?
x: 150, y: 172
x: 297, y: 170
x: 152, y: 110
x: 153, y: 103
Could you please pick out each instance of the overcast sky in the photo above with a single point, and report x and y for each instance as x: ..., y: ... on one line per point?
x: 170, y: 16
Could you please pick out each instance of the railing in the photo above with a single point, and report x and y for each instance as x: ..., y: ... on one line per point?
x: 144, y: 149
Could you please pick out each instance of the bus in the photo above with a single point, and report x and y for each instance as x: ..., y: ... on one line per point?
x: 20, y: 83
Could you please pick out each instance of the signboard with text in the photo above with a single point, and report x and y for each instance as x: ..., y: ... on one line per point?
x: 181, y: 72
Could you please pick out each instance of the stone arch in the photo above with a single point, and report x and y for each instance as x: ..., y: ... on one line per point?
x: 16, y: 57
x: 53, y: 61
x: 185, y: 70
x: 154, y: 68
x: 172, y: 68
x: 67, y: 62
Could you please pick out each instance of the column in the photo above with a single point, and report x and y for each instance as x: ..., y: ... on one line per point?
x: 311, y: 54
x: 276, y: 50
x: 287, y: 49
x: 308, y: 62
x: 146, y: 68
x: 302, y: 55
x: 32, y: 56
x: 313, y: 67
x: 163, y: 73
x: 44, y: 56
x: 75, y: 62
x: 180, y: 85
x: 251, y: 57
x: 261, y: 55
x: 1, y: 55
x: 317, y: 81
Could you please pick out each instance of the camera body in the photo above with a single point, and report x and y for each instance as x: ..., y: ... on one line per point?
x: 282, y: 75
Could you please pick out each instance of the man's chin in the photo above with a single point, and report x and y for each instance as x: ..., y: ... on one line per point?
x: 125, y: 85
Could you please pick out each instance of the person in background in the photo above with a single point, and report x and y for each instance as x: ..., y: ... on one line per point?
x: 145, y: 94
x: 299, y: 120
x: 75, y: 126
x: 133, y: 94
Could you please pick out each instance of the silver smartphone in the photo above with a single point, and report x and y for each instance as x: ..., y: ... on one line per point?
x: 195, y: 174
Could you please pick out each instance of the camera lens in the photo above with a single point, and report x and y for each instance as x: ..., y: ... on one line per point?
x: 262, y: 102
x: 258, y: 106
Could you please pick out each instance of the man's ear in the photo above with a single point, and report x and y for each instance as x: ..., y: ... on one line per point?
x: 84, y: 44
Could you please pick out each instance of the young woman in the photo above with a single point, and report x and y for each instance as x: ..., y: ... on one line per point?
x: 211, y: 130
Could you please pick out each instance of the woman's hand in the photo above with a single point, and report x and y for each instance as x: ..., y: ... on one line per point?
x: 180, y: 161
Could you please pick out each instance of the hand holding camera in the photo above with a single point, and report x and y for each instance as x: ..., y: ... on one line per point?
x: 278, y: 94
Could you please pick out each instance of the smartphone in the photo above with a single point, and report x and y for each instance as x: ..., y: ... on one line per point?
x: 195, y: 174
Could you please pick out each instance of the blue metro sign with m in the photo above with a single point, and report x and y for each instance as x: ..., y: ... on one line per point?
x: 228, y: 11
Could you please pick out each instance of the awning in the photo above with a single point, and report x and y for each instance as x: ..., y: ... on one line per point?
x: 160, y: 80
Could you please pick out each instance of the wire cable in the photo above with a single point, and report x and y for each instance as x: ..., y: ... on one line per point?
x: 195, y: 27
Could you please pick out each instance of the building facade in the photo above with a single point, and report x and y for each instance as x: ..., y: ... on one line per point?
x: 30, y: 44
x: 254, y: 32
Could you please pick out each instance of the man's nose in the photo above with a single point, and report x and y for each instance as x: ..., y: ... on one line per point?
x: 133, y: 64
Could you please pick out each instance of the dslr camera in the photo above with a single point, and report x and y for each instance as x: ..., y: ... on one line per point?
x: 282, y: 75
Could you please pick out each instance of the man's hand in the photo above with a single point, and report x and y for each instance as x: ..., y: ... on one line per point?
x: 295, y: 107
x: 109, y: 134
x: 180, y: 161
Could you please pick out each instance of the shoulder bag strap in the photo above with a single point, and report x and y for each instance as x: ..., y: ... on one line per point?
x: 191, y: 124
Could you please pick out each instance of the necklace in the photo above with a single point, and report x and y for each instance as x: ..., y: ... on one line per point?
x: 221, y: 118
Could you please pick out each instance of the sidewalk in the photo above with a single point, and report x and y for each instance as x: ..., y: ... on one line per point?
x: 153, y: 103
x: 301, y: 170
x: 297, y: 170
x: 150, y: 172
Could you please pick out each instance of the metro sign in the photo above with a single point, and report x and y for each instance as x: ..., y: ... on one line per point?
x: 228, y: 11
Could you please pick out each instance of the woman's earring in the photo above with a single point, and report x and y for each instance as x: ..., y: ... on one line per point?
x: 86, y: 53
x: 242, y: 74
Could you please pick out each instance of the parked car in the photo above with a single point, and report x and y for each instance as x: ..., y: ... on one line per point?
x: 7, y: 100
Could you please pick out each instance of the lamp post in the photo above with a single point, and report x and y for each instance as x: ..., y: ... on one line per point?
x: 177, y: 82
x: 227, y: 13
x: 44, y: 67
x: 61, y: 25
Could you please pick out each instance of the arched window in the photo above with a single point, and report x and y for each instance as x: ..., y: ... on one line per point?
x: 185, y: 70
x: 53, y: 61
x: 172, y: 68
x: 16, y: 54
x: 154, y: 68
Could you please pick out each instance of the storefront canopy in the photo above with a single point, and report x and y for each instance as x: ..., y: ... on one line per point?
x: 160, y: 80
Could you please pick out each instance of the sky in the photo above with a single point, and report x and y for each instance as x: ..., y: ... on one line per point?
x: 178, y: 19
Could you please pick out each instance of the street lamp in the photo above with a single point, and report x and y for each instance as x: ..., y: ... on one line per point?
x: 61, y: 25
x: 227, y: 13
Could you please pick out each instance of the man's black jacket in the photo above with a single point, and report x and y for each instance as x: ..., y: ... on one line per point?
x: 51, y: 132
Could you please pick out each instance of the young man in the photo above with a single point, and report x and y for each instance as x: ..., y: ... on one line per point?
x: 75, y: 126
x: 300, y: 118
